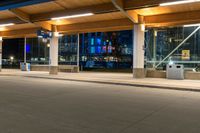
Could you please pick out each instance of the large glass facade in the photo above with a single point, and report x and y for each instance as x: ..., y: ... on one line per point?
x: 37, y: 51
x: 113, y: 50
x: 12, y: 53
x: 160, y: 42
x: 68, y: 47
x: 98, y: 50
x: 106, y: 50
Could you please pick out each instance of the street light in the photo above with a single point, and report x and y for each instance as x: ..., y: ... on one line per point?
x: 11, y: 58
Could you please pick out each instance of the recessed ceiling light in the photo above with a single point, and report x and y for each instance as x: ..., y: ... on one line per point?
x: 191, y: 25
x: 4, y: 25
x: 179, y: 2
x: 73, y: 16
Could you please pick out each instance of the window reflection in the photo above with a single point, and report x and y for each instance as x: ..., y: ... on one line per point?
x: 37, y: 51
x: 99, y: 50
x: 68, y: 46
x: 159, y: 45
x: 106, y: 50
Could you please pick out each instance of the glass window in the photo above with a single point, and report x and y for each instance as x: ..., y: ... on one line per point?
x: 37, y: 51
x: 106, y: 50
x: 160, y: 42
x: 68, y: 46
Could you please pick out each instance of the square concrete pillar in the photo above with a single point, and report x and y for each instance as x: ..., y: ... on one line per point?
x: 54, y: 54
x: 53, y: 70
x: 1, y: 41
x: 138, y: 51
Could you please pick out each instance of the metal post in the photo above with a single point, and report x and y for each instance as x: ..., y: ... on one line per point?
x: 154, y: 47
x: 1, y: 41
x: 78, y: 41
x: 25, y: 50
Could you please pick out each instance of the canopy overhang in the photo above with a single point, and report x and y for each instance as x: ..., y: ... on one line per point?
x: 29, y: 15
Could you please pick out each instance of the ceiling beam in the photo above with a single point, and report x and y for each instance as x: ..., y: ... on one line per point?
x: 102, y: 26
x: 109, y: 25
x: 101, y: 8
x: 125, y: 5
x: 11, y: 20
x: 96, y: 9
x: 173, y: 19
x: 119, y: 4
x: 26, y: 19
x: 19, y: 33
x: 44, y: 25
x: 139, y: 4
x: 21, y: 15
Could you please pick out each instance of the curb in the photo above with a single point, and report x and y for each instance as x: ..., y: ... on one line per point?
x: 9, y: 75
x: 123, y: 84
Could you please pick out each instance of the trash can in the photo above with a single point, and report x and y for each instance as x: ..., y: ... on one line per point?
x: 28, y: 67
x: 25, y: 66
x: 175, y: 72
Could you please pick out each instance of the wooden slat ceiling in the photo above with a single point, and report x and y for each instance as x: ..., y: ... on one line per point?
x: 169, y: 9
x: 6, y: 14
x: 18, y: 27
x: 41, y: 8
x: 98, y: 17
x: 66, y: 5
x: 60, y: 5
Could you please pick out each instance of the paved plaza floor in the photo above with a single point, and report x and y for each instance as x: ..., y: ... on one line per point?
x: 35, y: 105
x: 112, y: 78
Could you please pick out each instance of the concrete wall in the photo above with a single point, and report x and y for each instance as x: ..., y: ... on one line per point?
x: 149, y: 73
x: 62, y: 68
x: 68, y: 68
x: 162, y: 74
x: 39, y: 68
x: 155, y: 74
x: 192, y: 75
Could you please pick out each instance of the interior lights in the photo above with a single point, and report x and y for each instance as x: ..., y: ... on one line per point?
x: 4, y: 25
x: 191, y: 25
x: 179, y: 2
x: 73, y: 16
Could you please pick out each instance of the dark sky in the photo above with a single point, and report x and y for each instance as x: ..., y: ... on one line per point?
x: 13, y: 47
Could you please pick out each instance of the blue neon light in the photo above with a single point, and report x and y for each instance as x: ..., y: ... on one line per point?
x: 92, y: 41
x: 98, y: 41
x: 28, y: 48
x: 92, y: 50
x: 98, y: 50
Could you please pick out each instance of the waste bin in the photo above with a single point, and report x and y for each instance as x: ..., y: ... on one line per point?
x: 28, y: 67
x: 25, y: 66
x: 175, y: 72
x: 22, y: 66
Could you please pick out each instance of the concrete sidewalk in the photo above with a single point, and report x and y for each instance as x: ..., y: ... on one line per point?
x: 112, y: 78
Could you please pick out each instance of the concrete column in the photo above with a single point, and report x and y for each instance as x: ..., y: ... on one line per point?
x: 1, y: 41
x: 138, y: 51
x: 54, y: 54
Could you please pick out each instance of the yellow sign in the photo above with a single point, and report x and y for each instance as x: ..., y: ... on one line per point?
x: 185, y: 54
